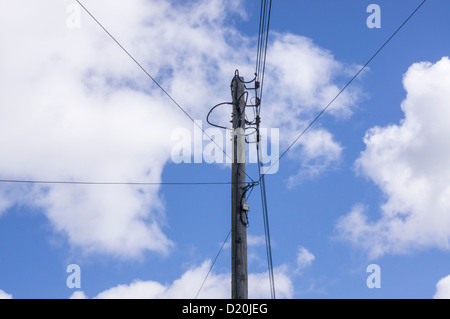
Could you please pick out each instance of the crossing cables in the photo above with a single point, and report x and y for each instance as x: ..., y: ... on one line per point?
x: 263, y: 39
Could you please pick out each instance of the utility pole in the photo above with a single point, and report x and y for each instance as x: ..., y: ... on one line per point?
x: 239, y: 207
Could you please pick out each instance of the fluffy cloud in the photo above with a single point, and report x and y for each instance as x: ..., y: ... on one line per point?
x: 217, y: 286
x: 409, y: 162
x: 307, y: 75
x: 75, y: 107
x: 443, y: 289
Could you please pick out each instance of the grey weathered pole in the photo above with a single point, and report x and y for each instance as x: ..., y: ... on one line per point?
x: 239, y: 208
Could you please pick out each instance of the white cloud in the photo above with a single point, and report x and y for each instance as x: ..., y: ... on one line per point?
x: 75, y: 107
x: 217, y: 286
x: 306, y: 74
x: 4, y: 295
x: 409, y: 162
x: 443, y: 289
x: 304, y: 258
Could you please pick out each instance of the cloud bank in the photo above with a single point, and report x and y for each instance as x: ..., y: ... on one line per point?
x: 217, y: 286
x: 76, y: 108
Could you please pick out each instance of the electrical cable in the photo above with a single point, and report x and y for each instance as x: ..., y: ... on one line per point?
x: 347, y: 85
x: 210, y: 111
x: 263, y: 37
x: 212, y: 265
x: 262, y: 176
x: 264, y: 25
x: 110, y: 183
x: 266, y: 226
x: 154, y: 80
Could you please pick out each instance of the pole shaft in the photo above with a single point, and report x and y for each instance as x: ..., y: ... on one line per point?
x: 239, y: 280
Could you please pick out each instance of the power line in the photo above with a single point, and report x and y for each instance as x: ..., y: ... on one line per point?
x: 266, y: 227
x: 260, y: 69
x: 262, y: 176
x: 154, y: 80
x: 110, y: 183
x: 214, y: 262
x: 137, y: 63
x: 346, y: 86
x: 263, y: 37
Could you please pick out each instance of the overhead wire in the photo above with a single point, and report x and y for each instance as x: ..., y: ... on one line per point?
x: 137, y: 63
x: 345, y: 87
x: 166, y: 93
x: 109, y: 183
x: 250, y: 187
x: 263, y: 33
x: 213, y: 263
x: 262, y: 184
x: 155, y: 81
x: 260, y: 67
x: 263, y: 39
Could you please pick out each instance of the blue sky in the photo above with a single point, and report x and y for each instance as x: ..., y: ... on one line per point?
x: 368, y: 184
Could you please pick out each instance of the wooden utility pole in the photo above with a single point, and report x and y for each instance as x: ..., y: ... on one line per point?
x: 239, y: 208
